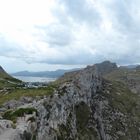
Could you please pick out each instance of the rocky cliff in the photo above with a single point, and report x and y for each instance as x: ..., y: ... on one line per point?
x: 86, y: 105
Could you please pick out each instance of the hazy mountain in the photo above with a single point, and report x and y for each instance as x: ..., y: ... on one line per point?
x: 50, y: 74
x: 129, y: 66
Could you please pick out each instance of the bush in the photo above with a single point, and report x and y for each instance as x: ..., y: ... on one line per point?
x: 12, y: 115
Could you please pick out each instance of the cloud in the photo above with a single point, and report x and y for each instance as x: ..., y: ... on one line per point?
x: 72, y: 32
x: 80, y: 11
x: 57, y: 35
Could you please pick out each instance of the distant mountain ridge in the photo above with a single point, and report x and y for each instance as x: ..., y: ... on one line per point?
x: 49, y: 74
x: 130, y: 66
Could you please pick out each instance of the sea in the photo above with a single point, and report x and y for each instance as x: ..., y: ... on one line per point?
x: 35, y: 79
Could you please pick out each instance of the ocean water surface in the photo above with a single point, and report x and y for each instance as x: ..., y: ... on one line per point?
x: 34, y: 79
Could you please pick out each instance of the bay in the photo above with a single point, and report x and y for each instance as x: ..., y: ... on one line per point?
x: 34, y: 79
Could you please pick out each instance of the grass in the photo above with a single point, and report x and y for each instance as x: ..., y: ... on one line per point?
x: 18, y: 93
x: 122, y: 98
x: 123, y: 75
x: 6, y: 84
x: 82, y: 115
x: 6, y: 76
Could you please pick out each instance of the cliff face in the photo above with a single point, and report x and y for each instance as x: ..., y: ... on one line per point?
x: 63, y: 111
x: 86, y: 106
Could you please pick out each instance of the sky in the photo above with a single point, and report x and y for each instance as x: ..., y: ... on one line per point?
x: 38, y: 35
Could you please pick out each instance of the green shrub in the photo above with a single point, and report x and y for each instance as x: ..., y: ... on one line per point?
x: 12, y: 115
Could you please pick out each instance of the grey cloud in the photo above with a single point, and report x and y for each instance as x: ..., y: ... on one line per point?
x: 124, y: 17
x: 125, y: 48
x: 124, y: 37
x: 80, y: 11
x: 13, y: 50
x: 81, y: 57
x: 121, y: 44
x: 57, y: 35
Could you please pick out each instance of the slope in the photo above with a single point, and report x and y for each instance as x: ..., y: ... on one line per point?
x: 6, y: 80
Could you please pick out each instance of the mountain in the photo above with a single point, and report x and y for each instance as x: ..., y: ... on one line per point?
x: 106, y: 67
x: 130, y: 66
x: 100, y: 69
x: 94, y: 103
x: 50, y: 74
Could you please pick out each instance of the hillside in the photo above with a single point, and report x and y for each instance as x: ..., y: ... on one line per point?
x: 128, y: 77
x: 6, y: 80
x: 95, y: 103
x: 3, y: 73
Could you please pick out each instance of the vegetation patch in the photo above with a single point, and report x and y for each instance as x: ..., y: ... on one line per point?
x: 18, y: 93
x: 13, y: 115
x: 7, y: 81
x: 123, y: 99
x: 64, y: 131
x: 82, y: 115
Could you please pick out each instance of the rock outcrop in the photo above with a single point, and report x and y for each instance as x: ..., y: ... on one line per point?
x: 87, y: 107
x: 24, y: 129
x: 106, y: 67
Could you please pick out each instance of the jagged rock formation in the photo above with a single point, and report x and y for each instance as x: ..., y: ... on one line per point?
x: 25, y: 129
x: 88, y: 105
x: 90, y: 108
x: 106, y: 67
